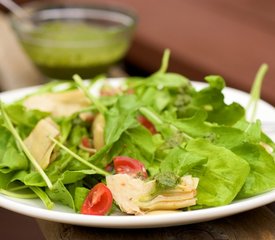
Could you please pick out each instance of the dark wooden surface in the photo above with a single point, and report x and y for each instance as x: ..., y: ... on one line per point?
x: 16, y: 226
x: 258, y: 224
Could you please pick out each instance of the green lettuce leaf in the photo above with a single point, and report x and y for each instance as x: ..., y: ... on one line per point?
x: 180, y: 162
x: 59, y: 193
x: 261, y: 177
x: 121, y: 117
x: 223, y: 176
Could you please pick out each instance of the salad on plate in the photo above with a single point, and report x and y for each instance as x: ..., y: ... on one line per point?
x: 134, y: 146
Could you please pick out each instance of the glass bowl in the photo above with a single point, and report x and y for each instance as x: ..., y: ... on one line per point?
x: 63, y: 40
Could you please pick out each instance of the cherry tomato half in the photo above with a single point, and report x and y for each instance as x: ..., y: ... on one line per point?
x: 147, y: 124
x: 129, y: 166
x: 99, y: 200
x: 86, y: 142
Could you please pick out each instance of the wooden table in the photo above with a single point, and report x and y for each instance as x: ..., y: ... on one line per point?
x: 230, y: 38
x: 255, y: 224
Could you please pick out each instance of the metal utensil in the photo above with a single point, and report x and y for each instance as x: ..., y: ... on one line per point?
x: 14, y: 8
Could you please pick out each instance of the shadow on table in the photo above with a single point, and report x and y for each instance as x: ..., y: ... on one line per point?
x: 16, y: 226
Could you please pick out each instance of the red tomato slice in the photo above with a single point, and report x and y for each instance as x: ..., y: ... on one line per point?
x: 129, y: 166
x: 85, y: 141
x: 146, y: 123
x: 99, y: 200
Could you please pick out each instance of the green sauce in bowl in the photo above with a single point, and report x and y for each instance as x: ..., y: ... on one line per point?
x: 86, y: 44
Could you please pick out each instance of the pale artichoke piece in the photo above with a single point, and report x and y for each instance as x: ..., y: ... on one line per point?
x: 188, y: 183
x: 169, y: 197
x: 182, y: 196
x: 98, y: 131
x: 160, y: 203
x: 58, y: 104
x: 135, y: 196
x: 126, y: 190
x: 38, y: 142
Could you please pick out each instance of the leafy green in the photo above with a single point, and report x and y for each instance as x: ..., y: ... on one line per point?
x: 198, y: 134
x: 59, y: 193
x: 136, y: 143
x: 43, y: 196
x: 120, y: 118
x: 211, y: 99
x: 8, y: 124
x: 181, y: 162
x: 224, y: 174
x: 80, y: 195
x: 261, y: 177
x: 19, y: 116
x: 10, y: 158
x: 13, y: 160
x: 24, y: 195
x: 5, y: 179
x: 80, y: 159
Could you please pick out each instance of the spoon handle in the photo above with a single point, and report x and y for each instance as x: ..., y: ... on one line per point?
x: 13, y: 7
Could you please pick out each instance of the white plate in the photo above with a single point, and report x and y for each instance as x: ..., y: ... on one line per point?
x: 34, y: 208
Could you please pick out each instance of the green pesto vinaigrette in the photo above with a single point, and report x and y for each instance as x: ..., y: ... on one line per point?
x: 63, y: 48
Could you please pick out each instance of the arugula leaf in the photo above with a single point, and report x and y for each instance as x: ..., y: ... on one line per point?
x: 22, y: 195
x: 53, y: 171
x: 73, y: 176
x: 59, y: 193
x: 120, y: 118
x: 65, y: 125
x: 211, y: 99
x: 223, y: 176
x: 167, y: 80
x: 80, y: 159
x: 19, y: 116
x: 167, y: 130
x: 194, y: 126
x: 80, y: 196
x: 43, y: 196
x: 180, y: 162
x: 136, y: 143
x: 5, y: 179
x: 10, y: 158
x: 13, y: 160
x: 76, y: 134
x: 8, y: 124
x: 261, y: 177
x: 154, y: 98
x: 215, y: 81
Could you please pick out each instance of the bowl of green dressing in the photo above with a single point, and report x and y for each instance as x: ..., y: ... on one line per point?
x: 63, y: 40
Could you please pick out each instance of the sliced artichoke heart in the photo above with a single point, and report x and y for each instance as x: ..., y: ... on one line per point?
x: 98, y: 131
x: 38, y: 142
x: 183, y: 195
x: 136, y: 196
x: 59, y: 104
x: 126, y: 190
x: 166, y: 205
